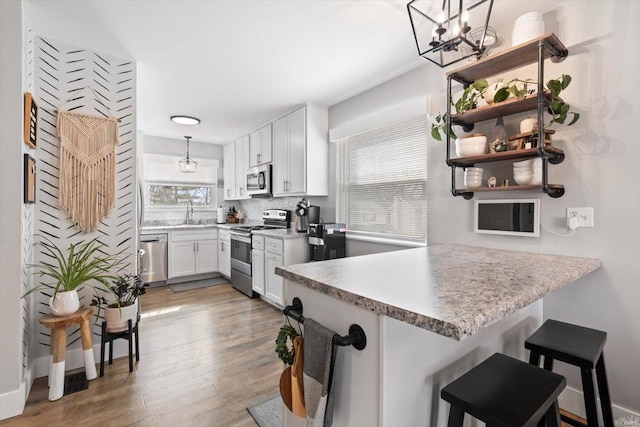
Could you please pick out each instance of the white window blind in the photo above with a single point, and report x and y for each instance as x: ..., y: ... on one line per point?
x: 382, y: 181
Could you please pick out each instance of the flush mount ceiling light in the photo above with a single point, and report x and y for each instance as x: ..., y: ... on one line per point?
x: 187, y: 165
x: 442, y: 29
x: 185, y: 120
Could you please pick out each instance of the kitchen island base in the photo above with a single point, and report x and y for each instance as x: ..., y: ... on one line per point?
x: 396, y: 379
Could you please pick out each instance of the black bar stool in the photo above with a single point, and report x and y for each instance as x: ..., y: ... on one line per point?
x: 578, y: 346
x: 505, y: 392
x: 109, y: 337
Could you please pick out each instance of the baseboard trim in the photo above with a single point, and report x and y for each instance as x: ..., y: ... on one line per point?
x: 13, y: 402
x: 74, y: 358
x: 572, y: 400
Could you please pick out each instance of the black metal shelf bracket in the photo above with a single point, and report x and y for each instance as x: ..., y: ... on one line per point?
x: 356, y: 337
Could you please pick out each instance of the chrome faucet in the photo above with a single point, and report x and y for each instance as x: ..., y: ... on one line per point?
x: 189, y: 217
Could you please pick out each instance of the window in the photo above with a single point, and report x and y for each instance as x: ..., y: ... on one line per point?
x: 177, y: 195
x: 382, y: 181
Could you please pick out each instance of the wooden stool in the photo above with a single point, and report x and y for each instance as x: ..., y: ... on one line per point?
x: 109, y: 337
x: 578, y: 346
x: 503, y: 391
x: 58, y: 325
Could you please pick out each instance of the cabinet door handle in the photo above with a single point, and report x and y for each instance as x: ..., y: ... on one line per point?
x: 194, y: 246
x: 221, y: 246
x: 228, y: 192
x: 259, y: 158
x: 197, y: 246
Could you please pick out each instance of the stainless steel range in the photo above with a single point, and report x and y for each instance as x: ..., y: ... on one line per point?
x: 241, y: 247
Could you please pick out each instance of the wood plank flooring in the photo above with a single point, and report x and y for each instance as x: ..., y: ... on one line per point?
x: 205, y: 356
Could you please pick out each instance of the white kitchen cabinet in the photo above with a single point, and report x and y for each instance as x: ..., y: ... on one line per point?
x: 301, y: 153
x: 229, y: 153
x: 260, y: 146
x: 236, y: 163
x: 270, y: 252
x: 224, y: 252
x: 193, y: 252
x: 274, y: 285
x: 242, y: 164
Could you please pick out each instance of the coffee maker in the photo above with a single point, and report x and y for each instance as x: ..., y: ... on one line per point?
x: 305, y: 215
x: 327, y: 241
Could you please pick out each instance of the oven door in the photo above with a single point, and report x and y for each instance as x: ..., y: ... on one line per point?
x: 241, y: 252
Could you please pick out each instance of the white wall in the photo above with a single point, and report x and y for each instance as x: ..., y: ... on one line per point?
x: 601, y: 170
x: 11, y: 84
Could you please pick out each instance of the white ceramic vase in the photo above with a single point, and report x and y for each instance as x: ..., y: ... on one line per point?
x: 117, y: 318
x: 64, y: 303
x: 491, y: 91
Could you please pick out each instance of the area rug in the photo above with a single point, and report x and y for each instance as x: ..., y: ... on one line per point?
x: 198, y: 284
x: 630, y: 421
x: 269, y: 413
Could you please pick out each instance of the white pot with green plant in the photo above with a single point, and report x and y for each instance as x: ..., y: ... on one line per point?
x: 126, y: 290
x: 81, y: 265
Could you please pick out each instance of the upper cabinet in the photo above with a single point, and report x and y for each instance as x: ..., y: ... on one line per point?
x: 260, y: 147
x: 301, y: 153
x: 236, y: 163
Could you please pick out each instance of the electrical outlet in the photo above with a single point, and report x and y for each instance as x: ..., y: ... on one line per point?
x: 579, y: 217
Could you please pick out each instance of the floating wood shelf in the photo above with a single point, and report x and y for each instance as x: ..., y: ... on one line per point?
x: 504, y: 108
x: 505, y: 155
x: 509, y: 59
x: 509, y: 188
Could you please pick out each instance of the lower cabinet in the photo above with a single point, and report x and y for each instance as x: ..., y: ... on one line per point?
x: 193, y: 252
x: 224, y: 252
x: 269, y: 253
x: 274, y: 285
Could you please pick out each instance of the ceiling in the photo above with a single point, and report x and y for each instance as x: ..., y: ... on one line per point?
x: 239, y: 64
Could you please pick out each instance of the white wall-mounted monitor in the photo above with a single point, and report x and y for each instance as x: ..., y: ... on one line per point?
x: 510, y: 217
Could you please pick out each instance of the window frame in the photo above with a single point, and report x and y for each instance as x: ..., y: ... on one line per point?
x: 151, y: 208
x: 342, y: 199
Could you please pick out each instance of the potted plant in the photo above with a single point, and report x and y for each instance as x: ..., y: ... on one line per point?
x: 80, y: 266
x: 126, y: 290
x: 518, y: 88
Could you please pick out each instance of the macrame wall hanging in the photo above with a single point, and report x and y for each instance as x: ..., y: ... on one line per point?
x: 87, y: 167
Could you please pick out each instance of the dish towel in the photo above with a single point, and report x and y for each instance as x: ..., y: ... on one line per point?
x: 319, y: 359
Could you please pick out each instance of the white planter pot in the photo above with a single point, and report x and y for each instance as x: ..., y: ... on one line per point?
x: 64, y: 303
x: 117, y: 318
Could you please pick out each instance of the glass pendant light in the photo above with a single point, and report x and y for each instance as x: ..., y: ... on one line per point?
x: 187, y: 165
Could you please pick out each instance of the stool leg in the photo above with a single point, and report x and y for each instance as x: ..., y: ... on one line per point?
x: 130, y: 346
x: 603, y: 389
x: 59, y: 348
x: 548, y: 363
x: 137, y: 344
x: 110, y: 352
x: 456, y: 417
x: 589, y: 397
x: 534, y: 358
x: 552, y: 417
x: 102, y: 344
x: 87, y: 350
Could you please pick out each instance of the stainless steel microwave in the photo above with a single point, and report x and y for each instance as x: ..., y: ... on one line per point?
x: 259, y: 180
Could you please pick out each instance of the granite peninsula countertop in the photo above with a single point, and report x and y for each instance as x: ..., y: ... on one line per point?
x: 281, y: 233
x: 452, y: 290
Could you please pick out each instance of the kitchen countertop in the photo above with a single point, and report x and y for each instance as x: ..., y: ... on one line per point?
x: 452, y: 290
x: 285, y: 234
x: 149, y: 229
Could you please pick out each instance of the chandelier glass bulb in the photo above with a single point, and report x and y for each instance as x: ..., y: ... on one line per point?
x: 187, y: 165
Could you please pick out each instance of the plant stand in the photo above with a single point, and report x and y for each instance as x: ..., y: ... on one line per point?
x: 109, y: 337
x: 58, y: 325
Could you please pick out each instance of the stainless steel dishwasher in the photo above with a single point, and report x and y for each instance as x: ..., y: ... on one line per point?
x: 153, y: 257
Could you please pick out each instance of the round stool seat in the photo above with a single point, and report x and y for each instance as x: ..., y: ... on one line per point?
x: 503, y: 391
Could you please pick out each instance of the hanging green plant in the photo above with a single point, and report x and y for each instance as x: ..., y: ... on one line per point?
x: 468, y: 101
x: 558, y: 109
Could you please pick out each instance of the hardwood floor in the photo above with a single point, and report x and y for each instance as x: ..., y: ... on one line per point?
x: 205, y: 356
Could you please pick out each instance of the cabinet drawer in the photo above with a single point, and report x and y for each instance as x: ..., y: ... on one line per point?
x: 257, y: 242
x: 273, y: 246
x: 183, y: 236
x: 223, y: 234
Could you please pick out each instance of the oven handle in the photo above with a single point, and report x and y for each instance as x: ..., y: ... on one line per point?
x: 240, y: 237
